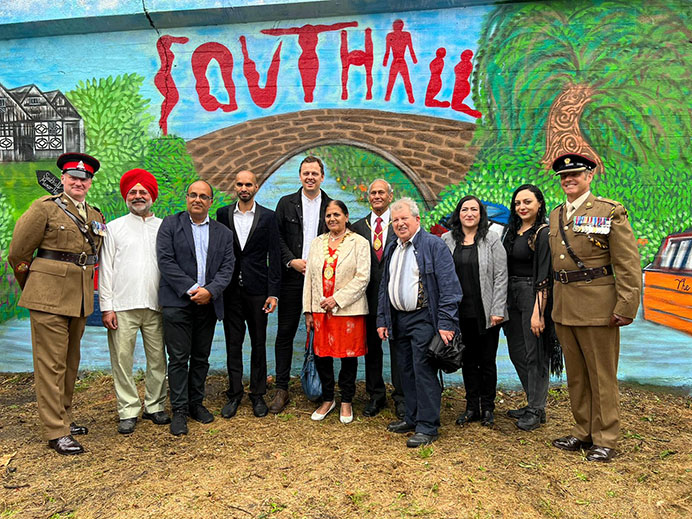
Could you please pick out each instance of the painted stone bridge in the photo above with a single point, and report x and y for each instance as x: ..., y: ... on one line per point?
x: 431, y: 151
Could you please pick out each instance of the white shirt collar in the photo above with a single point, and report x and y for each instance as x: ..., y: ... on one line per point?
x: 410, y: 240
x: 251, y: 210
x: 206, y: 220
x: 306, y: 200
x: 384, y: 216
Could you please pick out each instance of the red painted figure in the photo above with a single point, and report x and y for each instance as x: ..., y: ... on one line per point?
x: 358, y: 58
x: 263, y: 97
x: 437, y: 65
x: 398, y: 41
x: 163, y: 80
x: 308, y: 62
x: 462, y: 87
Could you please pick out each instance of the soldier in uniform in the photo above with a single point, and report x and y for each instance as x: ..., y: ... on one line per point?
x: 54, y: 248
x: 597, y: 289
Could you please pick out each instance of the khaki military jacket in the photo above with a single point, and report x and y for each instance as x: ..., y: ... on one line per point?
x: 584, y: 303
x: 48, y: 285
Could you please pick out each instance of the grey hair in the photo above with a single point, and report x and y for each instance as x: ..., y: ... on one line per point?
x: 405, y: 202
x: 389, y: 186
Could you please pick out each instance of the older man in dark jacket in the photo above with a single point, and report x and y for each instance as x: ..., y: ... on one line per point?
x: 419, y: 297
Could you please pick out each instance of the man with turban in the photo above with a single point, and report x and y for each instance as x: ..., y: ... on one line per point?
x: 128, y: 294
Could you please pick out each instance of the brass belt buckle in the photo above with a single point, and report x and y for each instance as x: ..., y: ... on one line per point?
x: 82, y: 259
x: 563, y: 277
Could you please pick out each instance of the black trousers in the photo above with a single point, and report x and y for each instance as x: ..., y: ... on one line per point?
x: 240, y: 308
x: 188, y: 333
x: 347, y: 377
x: 412, y: 333
x: 374, y: 381
x: 479, y: 369
x: 290, y: 311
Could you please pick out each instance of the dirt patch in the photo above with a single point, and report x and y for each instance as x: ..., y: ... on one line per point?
x: 287, y: 466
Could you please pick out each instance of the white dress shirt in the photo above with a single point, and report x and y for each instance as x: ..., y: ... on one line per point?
x: 404, y: 276
x: 242, y: 221
x: 311, y: 221
x: 385, y: 226
x: 128, y: 272
x: 572, y: 207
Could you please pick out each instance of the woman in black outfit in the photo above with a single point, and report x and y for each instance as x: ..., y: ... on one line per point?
x: 530, y: 332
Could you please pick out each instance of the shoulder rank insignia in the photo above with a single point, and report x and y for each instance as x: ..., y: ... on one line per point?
x: 592, y: 224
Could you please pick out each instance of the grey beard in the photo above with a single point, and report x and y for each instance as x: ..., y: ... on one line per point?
x: 138, y: 212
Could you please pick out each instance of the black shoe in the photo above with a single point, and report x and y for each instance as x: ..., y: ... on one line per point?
x: 419, y: 439
x: 66, y: 445
x: 468, y: 416
x: 374, y: 407
x: 259, y: 406
x: 400, y: 426
x: 517, y: 413
x: 571, y: 443
x: 201, y: 414
x: 231, y: 408
x: 487, y: 419
x: 597, y: 453
x: 78, y: 429
x: 179, y: 424
x: 127, y: 425
x: 400, y: 409
x: 159, y: 417
x: 531, y: 419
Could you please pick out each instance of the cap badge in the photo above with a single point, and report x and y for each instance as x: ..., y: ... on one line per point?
x: 80, y: 165
x: 567, y: 160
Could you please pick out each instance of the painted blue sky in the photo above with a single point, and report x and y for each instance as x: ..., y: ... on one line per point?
x: 14, y: 11
x: 62, y: 62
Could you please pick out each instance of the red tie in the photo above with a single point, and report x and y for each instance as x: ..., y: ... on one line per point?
x: 377, y: 241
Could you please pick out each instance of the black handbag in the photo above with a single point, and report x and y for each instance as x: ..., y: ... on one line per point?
x: 446, y: 357
x: 309, y: 378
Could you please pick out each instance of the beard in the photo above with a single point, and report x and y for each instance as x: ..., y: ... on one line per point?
x: 142, y: 208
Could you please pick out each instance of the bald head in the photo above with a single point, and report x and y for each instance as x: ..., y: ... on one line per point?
x: 245, y: 187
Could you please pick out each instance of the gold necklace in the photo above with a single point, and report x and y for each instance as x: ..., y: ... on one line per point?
x: 331, y: 258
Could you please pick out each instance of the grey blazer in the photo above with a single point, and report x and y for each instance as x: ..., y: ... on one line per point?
x: 492, y: 271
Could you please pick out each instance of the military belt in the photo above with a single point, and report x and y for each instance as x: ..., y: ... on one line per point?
x: 588, y: 275
x: 80, y: 259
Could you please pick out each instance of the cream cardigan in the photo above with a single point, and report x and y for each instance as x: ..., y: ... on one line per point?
x: 352, y: 275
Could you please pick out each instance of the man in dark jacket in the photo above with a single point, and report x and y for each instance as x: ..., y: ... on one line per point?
x: 301, y: 219
x: 419, y: 297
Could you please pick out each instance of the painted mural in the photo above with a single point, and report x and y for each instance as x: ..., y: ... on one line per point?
x: 440, y: 102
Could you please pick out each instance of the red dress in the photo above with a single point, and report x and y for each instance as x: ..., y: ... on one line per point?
x: 337, y: 336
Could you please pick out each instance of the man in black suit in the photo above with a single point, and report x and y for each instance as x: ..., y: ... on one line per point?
x: 195, y: 257
x: 253, y: 292
x: 301, y: 219
x: 376, y: 228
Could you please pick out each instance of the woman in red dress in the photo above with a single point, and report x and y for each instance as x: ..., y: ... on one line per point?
x: 335, y: 306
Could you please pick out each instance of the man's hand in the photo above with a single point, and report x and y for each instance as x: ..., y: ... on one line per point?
x: 109, y: 319
x: 618, y: 320
x: 270, y: 305
x: 299, y: 265
x: 200, y: 295
x: 328, y: 304
x: 447, y: 335
x: 495, y: 320
x: 309, y: 321
x: 383, y: 333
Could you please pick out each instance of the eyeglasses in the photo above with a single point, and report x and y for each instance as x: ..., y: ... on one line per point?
x: 193, y: 196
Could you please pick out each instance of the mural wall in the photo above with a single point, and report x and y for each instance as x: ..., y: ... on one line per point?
x: 441, y: 102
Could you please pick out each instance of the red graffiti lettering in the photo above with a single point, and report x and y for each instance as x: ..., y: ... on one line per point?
x: 357, y: 58
x: 308, y: 62
x: 462, y: 87
x: 437, y: 65
x: 200, y: 62
x: 398, y: 41
x: 163, y: 79
x: 263, y: 97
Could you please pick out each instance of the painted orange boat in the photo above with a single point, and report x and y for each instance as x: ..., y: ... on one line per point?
x: 668, y: 284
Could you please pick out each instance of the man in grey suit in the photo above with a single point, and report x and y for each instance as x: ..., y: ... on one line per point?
x: 195, y: 257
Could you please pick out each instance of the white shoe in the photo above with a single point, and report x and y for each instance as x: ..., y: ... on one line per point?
x: 319, y: 416
x: 346, y: 419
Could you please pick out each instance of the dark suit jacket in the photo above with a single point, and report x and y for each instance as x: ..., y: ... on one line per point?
x: 362, y: 227
x: 260, y: 260
x: 175, y: 252
x: 289, y: 215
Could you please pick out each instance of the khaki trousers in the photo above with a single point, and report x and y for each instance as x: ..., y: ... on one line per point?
x: 55, y: 340
x: 121, y: 343
x: 591, y: 360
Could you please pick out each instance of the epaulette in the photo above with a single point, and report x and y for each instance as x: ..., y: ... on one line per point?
x: 614, y: 204
x: 98, y: 211
x: 50, y: 197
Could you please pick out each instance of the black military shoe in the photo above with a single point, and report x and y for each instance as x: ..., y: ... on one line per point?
x: 419, y: 439
x: 400, y: 427
x: 571, y: 443
x: 531, y: 419
x: 78, y: 429
x: 517, y: 413
x: 373, y: 407
x: 468, y: 416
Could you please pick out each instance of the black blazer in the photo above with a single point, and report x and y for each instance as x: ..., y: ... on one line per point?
x: 289, y: 215
x: 362, y: 227
x: 260, y: 260
x: 175, y: 252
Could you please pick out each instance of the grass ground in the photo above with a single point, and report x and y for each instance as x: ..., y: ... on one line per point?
x: 287, y: 466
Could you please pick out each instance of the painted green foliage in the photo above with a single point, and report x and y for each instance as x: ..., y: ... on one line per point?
x: 635, y: 58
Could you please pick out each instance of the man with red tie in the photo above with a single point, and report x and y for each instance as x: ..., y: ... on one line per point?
x: 376, y: 228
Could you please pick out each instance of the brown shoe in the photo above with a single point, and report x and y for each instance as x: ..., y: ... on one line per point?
x: 598, y: 453
x: 571, y: 443
x: 280, y: 401
x: 66, y: 445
